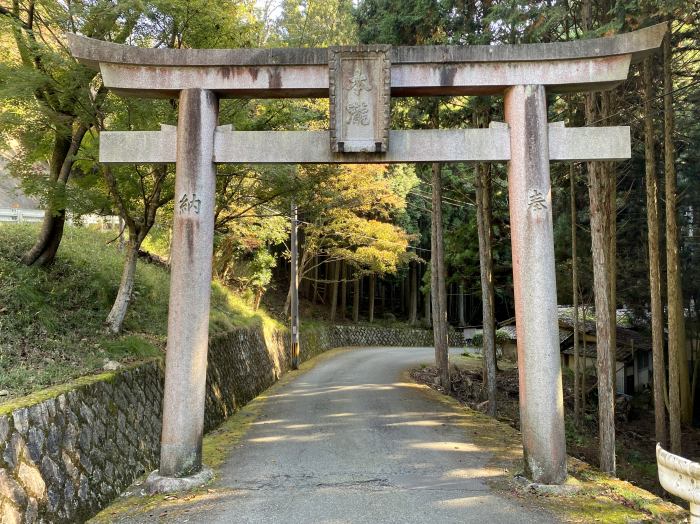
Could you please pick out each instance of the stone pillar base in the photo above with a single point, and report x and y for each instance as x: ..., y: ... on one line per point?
x: 156, y: 483
x: 570, y: 486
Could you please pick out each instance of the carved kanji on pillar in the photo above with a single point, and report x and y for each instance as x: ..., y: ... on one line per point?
x: 359, y: 90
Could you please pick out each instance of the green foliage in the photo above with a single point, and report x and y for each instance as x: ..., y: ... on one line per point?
x: 130, y: 346
x: 401, y: 22
x: 502, y: 337
x: 574, y: 437
x: 348, y: 214
x: 305, y: 23
x: 52, y: 319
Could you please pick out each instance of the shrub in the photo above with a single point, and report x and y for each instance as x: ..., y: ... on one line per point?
x: 502, y: 337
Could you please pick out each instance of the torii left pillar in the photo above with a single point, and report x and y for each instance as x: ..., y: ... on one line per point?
x: 190, y: 285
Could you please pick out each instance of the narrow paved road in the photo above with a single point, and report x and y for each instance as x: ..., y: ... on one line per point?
x: 350, y: 442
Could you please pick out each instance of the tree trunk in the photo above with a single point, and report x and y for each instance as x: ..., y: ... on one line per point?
x: 657, y: 312
x: 678, y: 399
x: 334, y: 289
x: 483, y: 218
x: 343, y: 290
x: 599, y: 195
x: 116, y: 316
x: 578, y: 416
x: 584, y: 367
x: 439, y: 292
x: 356, y: 299
x: 382, y: 295
x: 427, y: 306
x: 43, y: 252
x: 413, y: 294
x: 314, y: 295
x: 403, y: 296
x: 602, y: 239
x: 327, y: 276
x: 372, y: 285
x: 610, y: 178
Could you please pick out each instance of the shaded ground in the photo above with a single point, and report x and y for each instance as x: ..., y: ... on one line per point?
x: 354, y: 440
x: 636, y: 456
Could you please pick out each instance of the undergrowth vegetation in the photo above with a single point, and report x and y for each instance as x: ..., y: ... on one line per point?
x: 52, y: 320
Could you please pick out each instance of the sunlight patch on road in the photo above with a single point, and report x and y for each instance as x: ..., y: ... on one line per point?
x: 462, y: 502
x: 418, y: 414
x: 290, y: 438
x: 445, y: 446
x: 472, y: 473
x: 335, y: 389
x: 418, y: 423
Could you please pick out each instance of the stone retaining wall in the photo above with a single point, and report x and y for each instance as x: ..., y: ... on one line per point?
x: 65, y: 457
x: 67, y: 452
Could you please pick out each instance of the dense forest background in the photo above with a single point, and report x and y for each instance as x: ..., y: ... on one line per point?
x: 365, y: 231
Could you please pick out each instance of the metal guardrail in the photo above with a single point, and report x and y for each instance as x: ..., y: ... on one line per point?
x: 680, y: 477
x: 15, y: 215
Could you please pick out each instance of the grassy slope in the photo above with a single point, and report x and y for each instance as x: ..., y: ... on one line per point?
x: 52, y: 320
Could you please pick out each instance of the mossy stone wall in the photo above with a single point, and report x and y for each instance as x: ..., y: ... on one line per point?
x: 66, y: 454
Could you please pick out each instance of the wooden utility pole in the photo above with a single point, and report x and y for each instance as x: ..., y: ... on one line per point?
x: 294, y: 290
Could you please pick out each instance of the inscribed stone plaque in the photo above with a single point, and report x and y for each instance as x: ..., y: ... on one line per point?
x: 360, y: 84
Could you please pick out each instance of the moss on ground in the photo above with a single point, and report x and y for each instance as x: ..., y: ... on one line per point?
x: 52, y: 392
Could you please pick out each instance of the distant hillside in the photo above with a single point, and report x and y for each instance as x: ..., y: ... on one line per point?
x: 10, y: 193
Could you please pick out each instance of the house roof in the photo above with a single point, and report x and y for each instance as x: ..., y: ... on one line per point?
x: 628, y: 341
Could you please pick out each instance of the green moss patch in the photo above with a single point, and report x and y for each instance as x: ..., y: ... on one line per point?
x: 55, y: 391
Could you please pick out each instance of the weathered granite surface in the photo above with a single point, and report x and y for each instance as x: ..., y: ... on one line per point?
x: 92, y: 52
x: 64, y: 458
x: 67, y: 456
x: 416, y: 71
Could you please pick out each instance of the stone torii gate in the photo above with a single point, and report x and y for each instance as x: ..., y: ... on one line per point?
x: 360, y: 81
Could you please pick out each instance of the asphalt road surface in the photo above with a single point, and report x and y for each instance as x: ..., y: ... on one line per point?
x: 350, y: 441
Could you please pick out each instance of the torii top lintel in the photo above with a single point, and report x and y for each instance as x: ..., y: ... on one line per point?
x: 578, y: 65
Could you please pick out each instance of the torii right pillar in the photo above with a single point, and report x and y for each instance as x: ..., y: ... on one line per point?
x: 532, y: 238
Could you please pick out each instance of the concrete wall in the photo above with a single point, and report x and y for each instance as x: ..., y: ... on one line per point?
x: 66, y: 452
